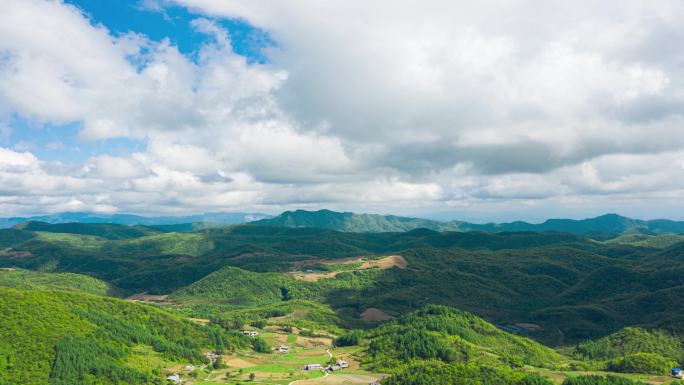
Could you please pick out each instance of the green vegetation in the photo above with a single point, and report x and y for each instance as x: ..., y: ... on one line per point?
x: 552, y: 287
x: 362, y: 223
x: 574, y: 288
x: 644, y: 240
x: 449, y: 335
x: 602, y: 226
x: 350, y: 338
x: 26, y: 279
x: 632, y: 340
x: 104, y: 230
x: 74, y: 338
x: 437, y: 373
x: 649, y: 363
x: 600, y: 380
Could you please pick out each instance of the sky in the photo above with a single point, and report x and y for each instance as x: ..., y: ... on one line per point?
x: 494, y: 110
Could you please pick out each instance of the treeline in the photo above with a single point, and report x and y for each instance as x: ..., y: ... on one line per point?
x: 438, y: 373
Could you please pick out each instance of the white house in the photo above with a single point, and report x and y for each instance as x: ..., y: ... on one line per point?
x: 342, y: 364
x: 175, y: 378
x: 250, y: 333
x: 313, y: 367
x: 282, y: 349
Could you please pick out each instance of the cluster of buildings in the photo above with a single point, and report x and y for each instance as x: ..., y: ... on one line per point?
x: 339, y: 365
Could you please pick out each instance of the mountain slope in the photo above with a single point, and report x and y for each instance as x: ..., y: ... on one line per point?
x: 104, y: 230
x: 449, y: 335
x: 27, y: 279
x: 66, y: 338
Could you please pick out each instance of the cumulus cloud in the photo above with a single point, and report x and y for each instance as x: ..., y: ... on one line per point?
x: 423, y: 107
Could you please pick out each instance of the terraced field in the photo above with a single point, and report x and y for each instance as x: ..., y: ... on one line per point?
x: 282, y: 369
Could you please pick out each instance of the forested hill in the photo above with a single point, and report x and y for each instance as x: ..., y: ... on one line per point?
x: 351, y: 222
x: 68, y: 338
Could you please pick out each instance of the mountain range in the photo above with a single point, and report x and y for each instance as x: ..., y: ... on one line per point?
x: 130, y: 219
x: 351, y: 222
x: 608, y: 224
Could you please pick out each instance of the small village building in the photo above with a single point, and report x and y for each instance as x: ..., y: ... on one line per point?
x: 175, y: 378
x: 250, y: 333
x: 339, y: 365
x: 189, y: 368
x: 212, y: 356
x: 283, y: 349
x: 313, y: 367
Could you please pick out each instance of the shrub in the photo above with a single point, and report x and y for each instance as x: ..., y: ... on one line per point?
x: 260, y: 346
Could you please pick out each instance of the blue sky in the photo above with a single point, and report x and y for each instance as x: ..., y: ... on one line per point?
x: 173, y: 23
x: 61, y: 143
x: 483, y: 111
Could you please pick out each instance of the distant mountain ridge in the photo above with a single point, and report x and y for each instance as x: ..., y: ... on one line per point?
x: 130, y: 219
x: 352, y: 222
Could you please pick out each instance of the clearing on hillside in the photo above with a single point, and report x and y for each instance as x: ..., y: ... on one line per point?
x: 373, y: 315
x: 382, y: 263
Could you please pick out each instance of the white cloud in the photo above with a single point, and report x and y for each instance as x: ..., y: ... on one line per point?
x: 372, y: 105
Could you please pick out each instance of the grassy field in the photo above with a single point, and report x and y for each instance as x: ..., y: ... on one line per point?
x: 248, y: 367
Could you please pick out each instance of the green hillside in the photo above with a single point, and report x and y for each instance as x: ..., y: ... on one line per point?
x: 449, y: 335
x: 26, y: 279
x: 104, y: 230
x: 66, y: 338
x: 630, y: 341
x: 644, y: 240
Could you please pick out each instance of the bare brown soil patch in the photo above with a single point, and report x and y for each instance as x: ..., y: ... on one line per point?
x: 238, y: 363
x: 373, y: 314
x: 200, y: 321
x: 342, y: 379
x: 151, y: 299
x: 312, y: 277
x: 386, y: 263
x: 308, y: 342
x: 528, y: 326
x: 382, y: 263
x: 15, y: 254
